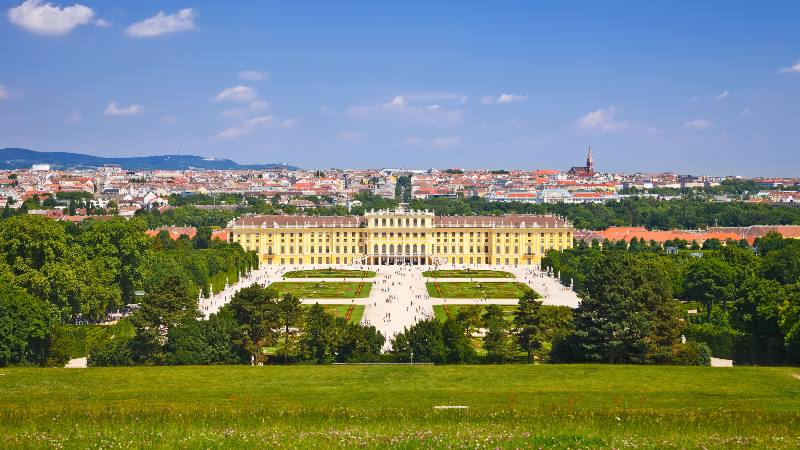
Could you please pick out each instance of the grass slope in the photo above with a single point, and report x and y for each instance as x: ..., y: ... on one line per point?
x: 329, y: 289
x: 341, y: 311
x: 466, y: 289
x: 522, y: 406
x: 467, y: 273
x: 330, y: 273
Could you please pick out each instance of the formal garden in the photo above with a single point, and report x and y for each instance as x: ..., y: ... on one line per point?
x: 467, y: 273
x: 322, y: 289
x: 476, y: 289
x: 330, y: 273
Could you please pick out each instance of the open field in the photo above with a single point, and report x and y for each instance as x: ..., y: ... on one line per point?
x: 330, y: 273
x: 441, y: 313
x: 341, y: 311
x: 467, y: 273
x: 497, y: 289
x: 523, y: 406
x: 327, y: 289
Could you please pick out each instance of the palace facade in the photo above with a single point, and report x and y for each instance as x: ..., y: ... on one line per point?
x: 401, y: 236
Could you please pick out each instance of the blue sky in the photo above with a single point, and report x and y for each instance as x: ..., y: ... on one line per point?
x: 693, y: 87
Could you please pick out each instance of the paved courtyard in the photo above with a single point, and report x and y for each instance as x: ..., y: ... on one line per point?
x: 398, y: 298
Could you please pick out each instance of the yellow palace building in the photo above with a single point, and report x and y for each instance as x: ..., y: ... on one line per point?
x: 402, y: 236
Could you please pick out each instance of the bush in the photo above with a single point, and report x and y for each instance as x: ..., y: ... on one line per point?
x: 113, y: 352
x: 691, y: 354
x: 719, y: 339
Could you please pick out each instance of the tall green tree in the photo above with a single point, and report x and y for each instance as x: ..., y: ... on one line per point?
x: 528, y: 322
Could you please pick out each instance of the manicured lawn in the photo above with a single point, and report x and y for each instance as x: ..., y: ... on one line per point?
x: 512, y: 406
x: 467, y: 273
x: 326, y: 289
x: 341, y: 311
x: 499, y: 289
x: 330, y: 273
x: 441, y: 314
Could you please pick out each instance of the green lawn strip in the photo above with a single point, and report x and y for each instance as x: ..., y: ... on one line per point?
x: 466, y: 289
x: 330, y: 273
x: 327, y: 289
x: 357, y: 314
x: 467, y: 273
x: 510, y: 406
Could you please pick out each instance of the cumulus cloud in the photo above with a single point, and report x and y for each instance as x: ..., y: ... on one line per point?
x: 699, y: 124
x: 102, y: 23
x: 503, y: 98
x: 792, y: 69
x: 253, y: 75
x: 722, y: 95
x: 603, y: 119
x: 251, y: 125
x: 406, y: 109
x: 3, y: 92
x: 113, y: 110
x: 49, y: 19
x: 161, y: 23
x: 239, y: 94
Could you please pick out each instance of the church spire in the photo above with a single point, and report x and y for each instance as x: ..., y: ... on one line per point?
x: 589, y: 161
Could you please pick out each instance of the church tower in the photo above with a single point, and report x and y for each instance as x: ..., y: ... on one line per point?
x: 589, y: 161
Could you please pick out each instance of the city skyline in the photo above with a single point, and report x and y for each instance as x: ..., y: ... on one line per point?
x: 364, y: 85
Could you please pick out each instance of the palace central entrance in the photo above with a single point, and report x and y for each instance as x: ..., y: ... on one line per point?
x: 396, y: 260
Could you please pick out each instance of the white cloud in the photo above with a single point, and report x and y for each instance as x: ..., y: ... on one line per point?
x: 74, y: 117
x: 402, y: 108
x: 603, y: 119
x: 253, y: 75
x: 168, y: 119
x: 699, y: 124
x: 792, y: 69
x: 435, y: 96
x: 3, y: 92
x: 503, y: 98
x: 240, y: 94
x: 351, y: 136
x: 161, y: 23
x: 254, y: 107
x: 113, y: 110
x: 722, y: 95
x: 102, y: 23
x: 251, y: 125
x: 49, y: 19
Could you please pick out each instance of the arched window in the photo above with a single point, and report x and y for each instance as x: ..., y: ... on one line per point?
x: 383, y: 222
x: 415, y: 222
x: 422, y: 249
x: 415, y: 249
x: 391, y: 249
x: 383, y: 249
x: 391, y: 222
x: 408, y: 249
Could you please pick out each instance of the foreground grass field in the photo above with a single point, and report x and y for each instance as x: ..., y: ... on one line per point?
x: 513, y: 406
x: 327, y: 289
x: 467, y: 273
x: 466, y: 289
x: 330, y: 273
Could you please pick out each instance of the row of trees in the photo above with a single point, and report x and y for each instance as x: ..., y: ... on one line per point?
x: 68, y: 271
x: 748, y: 302
x: 255, y: 327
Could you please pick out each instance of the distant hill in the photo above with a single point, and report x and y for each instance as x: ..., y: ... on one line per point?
x: 20, y: 158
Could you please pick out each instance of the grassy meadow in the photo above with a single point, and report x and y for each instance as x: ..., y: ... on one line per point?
x: 511, y: 406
